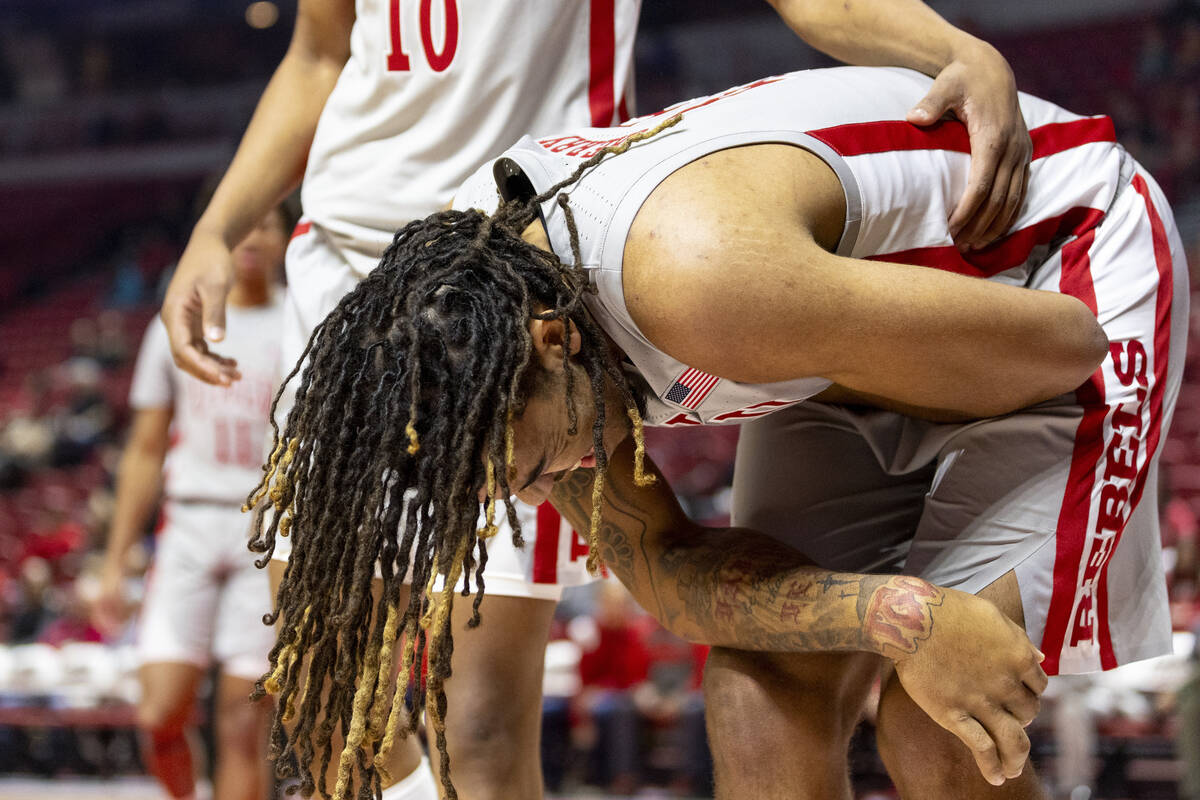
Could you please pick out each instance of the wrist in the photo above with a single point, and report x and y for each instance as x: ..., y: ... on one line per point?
x: 972, y: 51
x: 216, y: 228
x: 898, y: 616
x: 113, y: 565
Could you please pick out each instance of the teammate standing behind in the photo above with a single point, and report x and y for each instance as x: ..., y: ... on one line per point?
x: 202, y: 445
x: 385, y: 107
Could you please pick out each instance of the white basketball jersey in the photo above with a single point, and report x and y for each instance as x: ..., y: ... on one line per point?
x: 901, y: 183
x: 217, y: 433
x: 434, y: 88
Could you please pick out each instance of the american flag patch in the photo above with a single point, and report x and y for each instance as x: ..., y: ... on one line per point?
x: 690, y: 388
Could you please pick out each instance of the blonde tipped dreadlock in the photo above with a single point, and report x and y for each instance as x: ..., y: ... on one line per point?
x: 404, y: 412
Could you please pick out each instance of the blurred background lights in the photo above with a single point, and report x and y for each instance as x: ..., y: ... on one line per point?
x: 262, y: 14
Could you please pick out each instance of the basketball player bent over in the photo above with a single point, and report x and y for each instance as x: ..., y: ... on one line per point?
x: 946, y: 450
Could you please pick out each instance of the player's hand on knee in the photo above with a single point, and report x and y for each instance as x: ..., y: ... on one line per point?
x: 977, y: 675
x: 978, y: 87
x: 194, y: 308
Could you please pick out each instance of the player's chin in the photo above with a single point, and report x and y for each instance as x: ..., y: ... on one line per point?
x: 537, y: 492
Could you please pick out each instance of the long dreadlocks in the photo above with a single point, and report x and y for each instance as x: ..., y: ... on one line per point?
x: 404, y: 410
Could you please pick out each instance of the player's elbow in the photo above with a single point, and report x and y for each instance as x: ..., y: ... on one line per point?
x: 1081, y: 345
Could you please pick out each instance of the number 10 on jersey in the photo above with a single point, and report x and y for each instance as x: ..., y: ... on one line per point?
x: 439, y: 60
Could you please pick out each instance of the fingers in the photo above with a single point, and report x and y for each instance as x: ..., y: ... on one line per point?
x: 981, y: 745
x: 930, y: 108
x: 1034, y: 677
x: 999, y: 743
x: 993, y: 177
x: 195, y: 358
x: 212, y: 302
x: 186, y: 320
x: 995, y: 191
x: 1023, y: 705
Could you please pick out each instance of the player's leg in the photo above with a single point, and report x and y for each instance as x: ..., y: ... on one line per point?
x: 164, y: 715
x: 927, y: 761
x: 174, y: 638
x: 404, y: 763
x: 242, y: 769
x: 241, y: 643
x: 780, y: 724
x: 494, y: 698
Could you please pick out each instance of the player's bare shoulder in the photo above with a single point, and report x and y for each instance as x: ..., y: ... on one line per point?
x: 705, y: 254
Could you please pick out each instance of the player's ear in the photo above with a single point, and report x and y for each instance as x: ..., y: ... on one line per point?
x: 550, y: 338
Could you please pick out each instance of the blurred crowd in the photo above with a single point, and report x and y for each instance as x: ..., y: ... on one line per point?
x: 622, y: 707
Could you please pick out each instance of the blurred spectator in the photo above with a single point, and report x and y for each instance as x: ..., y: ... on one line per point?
x: 640, y: 704
x: 30, y: 600
x: 616, y: 662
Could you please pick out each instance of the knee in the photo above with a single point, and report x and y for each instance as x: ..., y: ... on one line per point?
x: 485, y: 726
x: 163, y: 716
x: 744, y: 691
x: 909, y: 740
x: 239, y: 725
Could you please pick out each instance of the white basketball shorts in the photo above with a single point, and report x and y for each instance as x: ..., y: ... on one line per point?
x: 205, y: 599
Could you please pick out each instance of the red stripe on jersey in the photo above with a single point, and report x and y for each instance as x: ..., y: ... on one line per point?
x: 1162, y: 350
x: 1059, y: 136
x: 1003, y: 254
x: 602, y: 49
x: 1071, y: 533
x: 883, y: 136
x: 545, y: 549
x: 302, y: 227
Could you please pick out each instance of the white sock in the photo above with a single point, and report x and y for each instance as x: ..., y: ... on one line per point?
x: 417, y: 785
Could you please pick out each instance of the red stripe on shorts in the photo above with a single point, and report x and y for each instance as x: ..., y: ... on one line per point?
x: 1003, y: 254
x: 1162, y: 356
x: 1071, y: 534
x: 602, y: 50
x: 302, y: 227
x: 885, y: 136
x: 545, y: 549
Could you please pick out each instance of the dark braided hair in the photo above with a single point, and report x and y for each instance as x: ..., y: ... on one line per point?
x: 404, y: 411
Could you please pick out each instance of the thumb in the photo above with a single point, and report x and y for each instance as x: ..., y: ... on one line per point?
x: 930, y: 108
x: 212, y: 304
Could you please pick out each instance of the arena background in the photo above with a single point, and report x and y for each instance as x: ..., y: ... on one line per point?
x: 113, y: 112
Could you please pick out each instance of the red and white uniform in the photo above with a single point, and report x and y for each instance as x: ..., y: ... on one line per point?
x: 204, y: 597
x: 432, y: 90
x: 1051, y: 492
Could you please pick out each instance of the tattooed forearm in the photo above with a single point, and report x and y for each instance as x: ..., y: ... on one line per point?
x: 739, y: 588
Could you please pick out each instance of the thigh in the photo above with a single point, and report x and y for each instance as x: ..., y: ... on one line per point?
x: 494, y: 697
x: 176, y: 621
x: 809, y: 477
x: 498, y: 665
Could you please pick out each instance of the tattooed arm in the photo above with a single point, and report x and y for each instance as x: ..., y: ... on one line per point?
x: 967, y: 665
x: 739, y: 588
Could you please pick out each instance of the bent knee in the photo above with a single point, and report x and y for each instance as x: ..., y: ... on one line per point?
x: 240, y: 725
x: 163, y: 717
x: 907, y: 737
x: 824, y: 693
